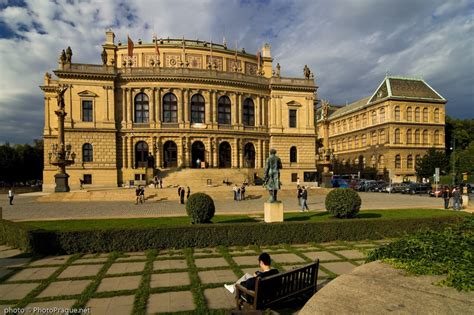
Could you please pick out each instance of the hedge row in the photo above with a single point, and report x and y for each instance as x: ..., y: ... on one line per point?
x: 206, y: 235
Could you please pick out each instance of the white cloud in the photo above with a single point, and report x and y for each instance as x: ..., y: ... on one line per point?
x: 348, y: 44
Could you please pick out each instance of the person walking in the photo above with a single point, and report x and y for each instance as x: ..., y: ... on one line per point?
x: 137, y: 194
x: 161, y: 183
x: 446, y: 197
x: 242, y: 192
x: 299, y: 193
x: 142, y: 194
x: 155, y: 182
x: 304, y: 198
x: 456, y: 199
x: 234, y: 189
x: 11, y: 195
x: 181, y: 196
x: 188, y: 192
x: 81, y: 183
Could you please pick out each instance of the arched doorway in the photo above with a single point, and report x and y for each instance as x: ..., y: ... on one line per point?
x: 225, y: 155
x: 141, y: 154
x: 197, y: 153
x: 249, y: 155
x: 170, y: 154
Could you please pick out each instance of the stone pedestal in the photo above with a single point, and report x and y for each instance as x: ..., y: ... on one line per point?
x: 465, y: 201
x: 273, y: 212
x: 62, y: 184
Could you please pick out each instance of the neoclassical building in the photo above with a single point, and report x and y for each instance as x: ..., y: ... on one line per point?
x: 170, y: 104
x: 392, y: 128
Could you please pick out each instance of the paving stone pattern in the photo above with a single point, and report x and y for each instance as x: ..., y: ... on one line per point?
x: 117, y: 278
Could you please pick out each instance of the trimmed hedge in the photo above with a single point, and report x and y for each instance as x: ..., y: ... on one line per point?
x: 57, y: 242
x: 200, y: 208
x: 343, y: 202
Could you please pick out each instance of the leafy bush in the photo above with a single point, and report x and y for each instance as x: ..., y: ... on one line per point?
x: 448, y: 251
x: 343, y: 202
x: 222, y: 234
x: 200, y: 207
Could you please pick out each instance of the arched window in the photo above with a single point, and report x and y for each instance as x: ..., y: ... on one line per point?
x: 364, y: 140
x: 397, y: 136
x: 344, y: 144
x: 293, y: 155
x: 170, y: 108
x: 87, y: 152
x: 436, y: 137
x: 397, y: 113
x: 382, y: 136
x: 197, y: 109
x: 374, y: 117
x: 409, y: 114
x: 374, y: 138
x: 224, y: 110
x: 425, y: 136
x: 398, y: 161
x: 382, y: 115
x: 349, y: 144
x: 409, y: 137
x: 248, y: 114
x: 417, y: 114
x: 410, y: 162
x: 417, y: 159
x: 436, y: 115
x: 417, y: 136
x: 141, y: 108
x: 141, y: 154
x: 356, y: 142
x: 425, y: 114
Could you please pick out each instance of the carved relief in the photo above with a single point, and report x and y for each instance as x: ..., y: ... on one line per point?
x: 217, y: 62
x: 251, y: 68
x: 234, y: 66
x: 172, y: 60
x: 149, y: 58
x: 195, y: 61
x: 126, y: 60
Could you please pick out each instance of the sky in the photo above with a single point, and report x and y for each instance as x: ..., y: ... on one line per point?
x: 350, y: 45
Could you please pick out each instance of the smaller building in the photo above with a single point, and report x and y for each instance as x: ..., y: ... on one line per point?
x: 391, y: 129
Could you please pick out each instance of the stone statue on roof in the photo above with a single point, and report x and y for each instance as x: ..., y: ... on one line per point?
x: 62, y: 57
x: 306, y: 72
x: 68, y: 54
x: 325, y: 109
x: 103, y: 55
x: 277, y: 72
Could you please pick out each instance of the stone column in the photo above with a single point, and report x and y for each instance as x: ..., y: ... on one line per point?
x: 181, y: 108
x: 124, y: 105
x: 159, y: 109
x: 235, y: 153
x: 152, y: 107
x: 130, y: 106
x: 257, y: 112
x: 159, y: 153
x: 215, y: 112
x: 47, y: 126
x: 241, y: 153
x: 215, y: 151
x: 186, y: 106
x: 124, y: 152
x: 258, y: 154
x: 188, y: 157
x: 278, y: 110
x: 241, y: 104
x: 208, y: 108
x: 130, y: 152
x: 234, y: 112
x: 273, y: 111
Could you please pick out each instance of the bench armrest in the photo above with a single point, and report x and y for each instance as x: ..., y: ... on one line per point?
x: 241, y: 289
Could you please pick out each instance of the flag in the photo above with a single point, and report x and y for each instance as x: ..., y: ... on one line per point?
x: 130, y: 47
x: 157, y: 50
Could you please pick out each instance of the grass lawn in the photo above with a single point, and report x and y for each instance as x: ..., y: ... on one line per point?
x: 74, y: 225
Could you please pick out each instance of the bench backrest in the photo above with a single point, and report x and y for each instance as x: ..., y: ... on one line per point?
x: 272, y: 289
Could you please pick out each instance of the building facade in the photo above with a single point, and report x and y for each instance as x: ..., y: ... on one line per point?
x: 174, y: 104
x: 389, y: 130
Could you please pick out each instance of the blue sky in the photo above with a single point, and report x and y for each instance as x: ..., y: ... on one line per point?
x: 350, y: 45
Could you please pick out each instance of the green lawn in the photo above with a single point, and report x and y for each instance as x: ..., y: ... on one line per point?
x: 71, y: 225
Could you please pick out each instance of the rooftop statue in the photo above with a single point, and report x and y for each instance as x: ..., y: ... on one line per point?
x: 68, y: 54
x: 307, y: 72
x: 271, y: 179
x: 104, y: 57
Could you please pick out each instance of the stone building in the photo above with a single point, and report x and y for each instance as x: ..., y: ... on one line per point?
x: 170, y: 104
x: 391, y: 129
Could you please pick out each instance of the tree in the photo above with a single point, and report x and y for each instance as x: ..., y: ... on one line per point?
x: 425, y: 167
x: 465, y: 159
x: 21, y: 162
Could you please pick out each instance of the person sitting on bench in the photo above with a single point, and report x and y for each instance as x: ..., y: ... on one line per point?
x: 248, y: 281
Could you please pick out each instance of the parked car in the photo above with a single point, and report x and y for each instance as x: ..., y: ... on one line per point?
x: 396, y: 188
x: 339, y: 183
x: 436, y: 192
x: 416, y: 188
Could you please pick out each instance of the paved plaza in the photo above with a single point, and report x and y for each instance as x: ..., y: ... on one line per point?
x: 157, y: 281
x: 119, y: 203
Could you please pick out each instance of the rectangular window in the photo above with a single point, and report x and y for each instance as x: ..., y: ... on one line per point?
x: 292, y: 118
x: 88, y: 179
x: 294, y: 177
x: 87, y: 111
x: 310, y: 176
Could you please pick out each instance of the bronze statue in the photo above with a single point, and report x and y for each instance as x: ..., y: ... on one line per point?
x: 277, y: 73
x: 68, y: 54
x: 62, y: 57
x: 271, y: 179
x: 104, y: 57
x: 60, y: 91
x: 307, y: 72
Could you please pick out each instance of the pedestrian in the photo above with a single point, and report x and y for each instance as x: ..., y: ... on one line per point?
x: 137, y: 194
x: 242, y: 192
x: 299, y: 193
x: 155, y: 182
x: 198, y: 163
x: 188, y: 192
x: 181, y: 196
x: 457, y: 199
x: 179, y: 191
x: 234, y: 189
x: 238, y: 193
x: 81, y: 183
x: 161, y: 183
x: 446, y: 197
x: 11, y: 195
x: 142, y: 194
x: 297, y: 181
x: 304, y: 198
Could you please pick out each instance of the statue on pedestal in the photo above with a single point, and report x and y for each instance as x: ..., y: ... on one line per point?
x: 271, y: 179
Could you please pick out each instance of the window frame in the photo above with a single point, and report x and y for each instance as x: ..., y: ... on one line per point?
x: 197, y: 109
x: 87, y: 153
x: 248, y: 113
x: 170, y: 108
x: 90, y: 111
x: 292, y: 118
x: 224, y: 110
x: 293, y: 154
x: 141, y: 108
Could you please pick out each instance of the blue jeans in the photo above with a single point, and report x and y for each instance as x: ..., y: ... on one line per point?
x: 304, y: 205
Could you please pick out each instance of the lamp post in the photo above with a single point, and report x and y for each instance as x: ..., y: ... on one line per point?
x: 61, y: 154
x: 453, y: 150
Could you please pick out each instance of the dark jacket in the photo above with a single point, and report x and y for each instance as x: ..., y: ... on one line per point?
x: 250, y: 283
x: 304, y: 195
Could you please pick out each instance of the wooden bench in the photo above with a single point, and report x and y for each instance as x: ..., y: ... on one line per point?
x: 275, y: 289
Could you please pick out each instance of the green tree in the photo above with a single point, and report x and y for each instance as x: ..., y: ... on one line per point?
x: 425, y: 167
x: 465, y: 159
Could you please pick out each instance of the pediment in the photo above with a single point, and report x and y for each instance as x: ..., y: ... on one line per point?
x: 294, y: 104
x: 87, y: 93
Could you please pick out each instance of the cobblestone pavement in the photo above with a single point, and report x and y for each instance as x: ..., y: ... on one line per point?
x: 181, y: 280
x: 120, y: 204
